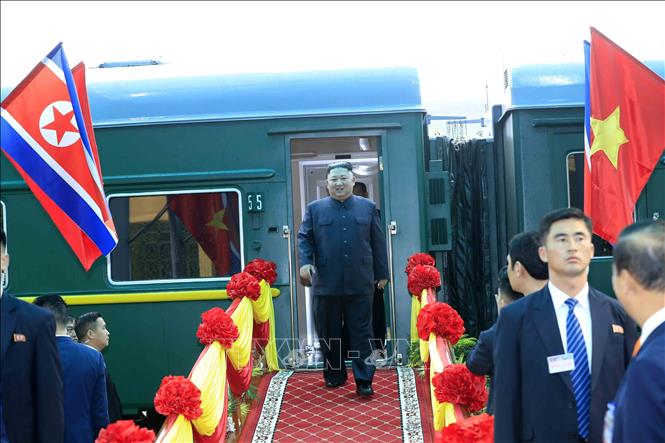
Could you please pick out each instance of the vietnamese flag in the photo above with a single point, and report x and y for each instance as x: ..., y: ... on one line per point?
x: 625, y: 134
x: 205, y: 217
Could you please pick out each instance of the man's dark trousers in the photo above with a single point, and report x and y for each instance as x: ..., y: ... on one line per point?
x: 354, y: 310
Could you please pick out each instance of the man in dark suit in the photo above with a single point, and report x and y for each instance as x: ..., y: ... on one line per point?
x: 343, y: 255
x: 378, y: 303
x: 560, y: 352
x: 30, y: 378
x: 638, y: 279
x: 84, y: 385
x: 526, y: 271
x: 481, y: 359
x: 91, y: 330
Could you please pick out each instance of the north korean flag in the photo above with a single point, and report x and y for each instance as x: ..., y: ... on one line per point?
x: 47, y: 137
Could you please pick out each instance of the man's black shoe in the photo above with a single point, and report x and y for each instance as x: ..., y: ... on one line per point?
x: 364, y: 390
x: 334, y: 384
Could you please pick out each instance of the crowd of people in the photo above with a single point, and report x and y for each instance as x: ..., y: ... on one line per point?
x: 566, y: 362
x: 54, y: 384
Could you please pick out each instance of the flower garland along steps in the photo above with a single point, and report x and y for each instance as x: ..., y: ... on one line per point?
x: 196, y: 407
x: 413, y: 261
x: 455, y: 392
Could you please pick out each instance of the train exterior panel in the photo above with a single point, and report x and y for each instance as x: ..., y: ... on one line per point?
x: 254, y: 139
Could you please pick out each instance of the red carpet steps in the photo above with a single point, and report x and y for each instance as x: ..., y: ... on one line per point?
x: 299, y: 408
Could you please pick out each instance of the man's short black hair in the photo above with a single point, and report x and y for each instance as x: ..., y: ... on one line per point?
x: 56, y: 305
x: 505, y: 290
x: 360, y: 188
x: 85, y: 323
x: 3, y: 240
x: 562, y: 214
x: 641, y: 251
x: 339, y: 164
x: 523, y: 248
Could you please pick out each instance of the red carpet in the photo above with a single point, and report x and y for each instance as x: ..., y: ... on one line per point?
x: 299, y: 408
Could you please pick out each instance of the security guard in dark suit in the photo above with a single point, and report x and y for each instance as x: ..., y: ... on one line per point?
x: 342, y: 255
x: 31, y: 399
x: 560, y: 352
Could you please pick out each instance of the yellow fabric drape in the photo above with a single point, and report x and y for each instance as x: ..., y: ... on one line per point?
x: 261, y: 307
x: 180, y: 432
x: 239, y: 353
x: 424, y: 345
x: 271, y: 348
x: 415, y: 310
x: 209, y: 376
x: 439, y: 351
x: 264, y: 311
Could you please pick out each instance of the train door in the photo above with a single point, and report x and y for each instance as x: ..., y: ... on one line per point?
x: 310, y: 155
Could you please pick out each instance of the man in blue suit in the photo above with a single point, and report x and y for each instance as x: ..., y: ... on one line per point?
x: 343, y: 255
x: 638, y: 279
x: 30, y: 379
x: 560, y: 352
x: 83, y: 379
x: 481, y: 359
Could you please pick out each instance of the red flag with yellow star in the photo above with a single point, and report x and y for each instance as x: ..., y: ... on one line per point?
x: 212, y: 219
x: 626, y: 134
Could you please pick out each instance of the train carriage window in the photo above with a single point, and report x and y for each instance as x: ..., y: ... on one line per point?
x: 183, y: 236
x: 575, y: 168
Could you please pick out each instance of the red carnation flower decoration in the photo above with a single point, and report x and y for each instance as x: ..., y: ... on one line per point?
x: 125, y: 431
x: 178, y: 395
x: 242, y: 285
x: 217, y: 326
x: 423, y: 277
x: 442, y: 320
x: 419, y: 258
x: 477, y: 429
x: 457, y: 385
x: 262, y: 270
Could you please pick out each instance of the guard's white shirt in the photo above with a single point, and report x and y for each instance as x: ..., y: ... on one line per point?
x: 582, y: 311
x: 651, y: 324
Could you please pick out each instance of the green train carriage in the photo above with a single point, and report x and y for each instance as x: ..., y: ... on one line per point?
x: 257, y: 145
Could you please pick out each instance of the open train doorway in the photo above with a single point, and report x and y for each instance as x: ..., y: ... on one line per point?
x: 310, y: 156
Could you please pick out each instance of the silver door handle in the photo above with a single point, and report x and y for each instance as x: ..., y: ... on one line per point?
x: 286, y: 233
x: 392, y: 230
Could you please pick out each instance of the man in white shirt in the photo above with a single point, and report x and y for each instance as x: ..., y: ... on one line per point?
x: 638, y: 279
x: 560, y: 352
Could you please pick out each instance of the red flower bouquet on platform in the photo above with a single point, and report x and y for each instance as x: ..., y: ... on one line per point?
x: 476, y: 429
x: 457, y: 385
x: 178, y: 395
x: 125, y: 431
x: 423, y: 277
x: 243, y: 284
x: 262, y: 270
x: 419, y: 258
x: 442, y: 320
x: 217, y: 326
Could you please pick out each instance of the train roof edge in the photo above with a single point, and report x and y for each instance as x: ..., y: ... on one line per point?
x: 154, y: 94
x: 551, y: 85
